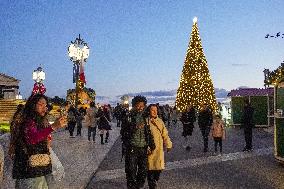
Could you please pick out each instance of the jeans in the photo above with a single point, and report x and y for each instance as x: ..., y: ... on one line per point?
x: 31, y: 183
x: 90, y: 131
x: 71, y: 127
x: 79, y: 128
x: 136, y: 167
x: 248, y: 138
x: 205, y: 132
x: 153, y: 177
x: 218, y: 140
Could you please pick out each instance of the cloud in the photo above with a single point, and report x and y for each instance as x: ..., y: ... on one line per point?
x: 164, y: 96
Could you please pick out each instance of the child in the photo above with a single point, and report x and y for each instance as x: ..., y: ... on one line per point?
x: 218, y: 132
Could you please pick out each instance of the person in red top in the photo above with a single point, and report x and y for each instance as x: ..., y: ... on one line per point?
x: 31, y: 142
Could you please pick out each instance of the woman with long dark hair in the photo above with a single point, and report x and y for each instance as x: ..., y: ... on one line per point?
x: 31, y: 158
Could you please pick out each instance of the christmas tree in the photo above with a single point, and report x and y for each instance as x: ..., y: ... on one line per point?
x: 195, y: 87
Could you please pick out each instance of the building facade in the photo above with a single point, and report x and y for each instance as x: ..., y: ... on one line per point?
x: 9, y: 87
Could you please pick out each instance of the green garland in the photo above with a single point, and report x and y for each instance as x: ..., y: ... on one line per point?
x: 275, y: 76
x: 91, y: 93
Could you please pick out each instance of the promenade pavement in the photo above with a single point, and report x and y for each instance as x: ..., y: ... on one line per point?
x: 195, y: 169
x: 79, y: 157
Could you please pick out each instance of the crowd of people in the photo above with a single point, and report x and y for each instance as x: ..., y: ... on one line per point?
x: 143, y: 130
x: 144, y: 135
x: 95, y: 117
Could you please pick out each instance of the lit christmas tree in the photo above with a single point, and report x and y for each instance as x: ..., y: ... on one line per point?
x: 195, y: 87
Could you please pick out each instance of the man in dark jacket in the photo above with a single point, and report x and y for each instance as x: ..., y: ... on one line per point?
x: 117, y: 114
x: 188, y: 118
x: 137, y: 140
x: 248, y: 125
x: 205, y: 120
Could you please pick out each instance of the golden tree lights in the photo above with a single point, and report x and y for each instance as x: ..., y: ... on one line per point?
x: 195, y: 87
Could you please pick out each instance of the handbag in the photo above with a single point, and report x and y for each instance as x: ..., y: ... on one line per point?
x: 39, y: 160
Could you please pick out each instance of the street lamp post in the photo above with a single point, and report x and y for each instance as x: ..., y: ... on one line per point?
x: 78, y: 51
x: 39, y: 77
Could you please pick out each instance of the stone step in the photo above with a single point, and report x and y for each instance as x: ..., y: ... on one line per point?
x: 8, y: 108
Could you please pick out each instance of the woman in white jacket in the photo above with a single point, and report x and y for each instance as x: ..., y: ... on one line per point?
x: 156, y: 161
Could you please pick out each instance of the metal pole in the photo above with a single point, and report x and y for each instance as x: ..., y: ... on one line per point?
x: 76, y: 87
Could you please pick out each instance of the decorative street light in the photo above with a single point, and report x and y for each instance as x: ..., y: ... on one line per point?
x: 78, y: 52
x: 39, y: 77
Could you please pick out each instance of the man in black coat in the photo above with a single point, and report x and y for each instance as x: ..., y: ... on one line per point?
x: 188, y: 118
x: 205, y: 120
x: 248, y: 124
x: 136, y: 141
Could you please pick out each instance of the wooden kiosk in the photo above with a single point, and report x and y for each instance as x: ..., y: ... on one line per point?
x: 279, y: 122
x: 276, y: 78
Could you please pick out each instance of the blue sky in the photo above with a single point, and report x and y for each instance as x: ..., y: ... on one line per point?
x: 140, y: 45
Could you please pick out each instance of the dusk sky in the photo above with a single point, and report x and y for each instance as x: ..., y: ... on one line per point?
x: 139, y: 45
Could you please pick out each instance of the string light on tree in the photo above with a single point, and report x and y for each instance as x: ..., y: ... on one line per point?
x: 195, y: 87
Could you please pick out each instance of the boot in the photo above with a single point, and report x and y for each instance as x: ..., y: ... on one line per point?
x: 102, y: 138
x: 106, y: 139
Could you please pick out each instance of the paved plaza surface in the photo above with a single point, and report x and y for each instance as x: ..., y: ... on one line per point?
x: 195, y: 169
x: 79, y: 157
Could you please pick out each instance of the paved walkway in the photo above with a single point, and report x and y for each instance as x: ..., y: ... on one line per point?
x: 181, y: 164
x: 80, y: 157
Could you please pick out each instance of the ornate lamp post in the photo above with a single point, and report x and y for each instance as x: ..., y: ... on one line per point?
x: 39, y: 77
x: 78, y: 52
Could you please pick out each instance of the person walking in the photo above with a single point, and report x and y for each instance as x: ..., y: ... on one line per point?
x: 104, y: 123
x: 156, y: 160
x: 188, y: 118
x: 248, y: 124
x: 80, y: 118
x: 91, y: 121
x: 14, y: 128
x: 205, y: 119
x: 218, y: 132
x: 136, y: 141
x: 117, y: 114
x: 174, y: 116
x: 31, y: 158
x: 72, y: 120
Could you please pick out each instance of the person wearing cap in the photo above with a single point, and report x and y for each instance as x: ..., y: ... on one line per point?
x: 137, y: 141
x: 205, y: 120
x: 188, y: 118
x: 248, y: 124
